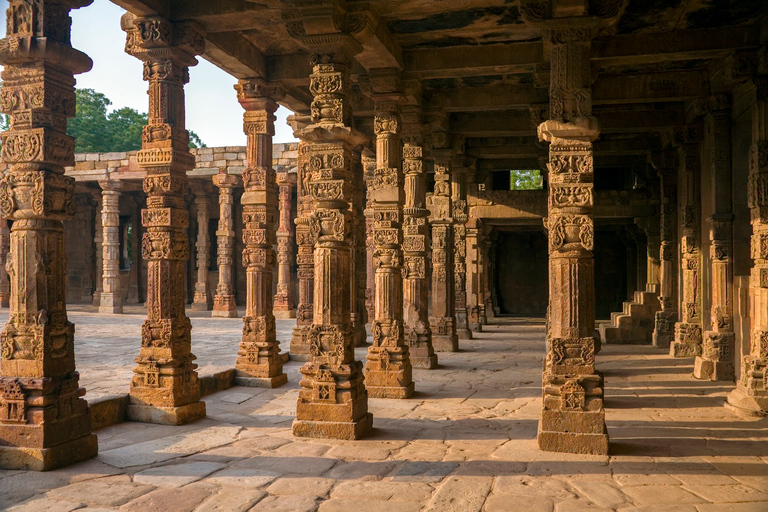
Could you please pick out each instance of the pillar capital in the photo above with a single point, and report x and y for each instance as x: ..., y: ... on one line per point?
x: 111, y: 185
x: 224, y: 180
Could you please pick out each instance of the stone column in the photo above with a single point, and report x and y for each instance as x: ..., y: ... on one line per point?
x: 441, y: 323
x: 460, y: 217
x: 417, y: 333
x: 388, y: 369
x: 750, y: 398
x: 304, y: 258
x: 664, y: 331
x: 165, y: 386
x: 687, y: 341
x: 284, y: 298
x: 488, y: 277
x: 358, y: 286
x: 650, y: 226
x: 44, y: 421
x: 224, y: 300
x: 258, y: 360
x: 573, y: 417
x: 474, y: 261
x: 716, y: 361
x: 369, y: 167
x: 135, y: 272
x: 202, y: 300
x: 5, y: 246
x: 332, y: 401
x: 111, y: 299
x: 98, y: 240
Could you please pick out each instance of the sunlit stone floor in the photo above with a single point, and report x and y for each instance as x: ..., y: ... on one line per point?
x: 465, y: 442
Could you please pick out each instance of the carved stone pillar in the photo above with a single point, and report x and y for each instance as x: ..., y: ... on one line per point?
x: 165, y: 386
x: 304, y: 258
x: 687, y: 341
x: 664, y: 331
x: 460, y: 217
x: 716, y: 361
x: 224, y: 301
x: 357, y: 288
x: 111, y: 299
x: 44, y: 421
x: 650, y: 226
x: 573, y: 417
x: 284, y: 298
x: 202, y: 300
x: 369, y: 167
x: 417, y: 333
x: 98, y: 239
x: 488, y: 277
x: 134, y: 276
x: 5, y: 246
x: 750, y: 398
x: 474, y: 261
x: 388, y: 369
x: 258, y: 360
x: 332, y: 401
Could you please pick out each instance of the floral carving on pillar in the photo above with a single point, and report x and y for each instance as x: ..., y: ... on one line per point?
x: 369, y: 167
x: 460, y: 218
x: 202, y: 300
x: 111, y: 297
x: 284, y: 297
x: 44, y: 421
x: 224, y: 301
x: 165, y: 386
x: 258, y: 361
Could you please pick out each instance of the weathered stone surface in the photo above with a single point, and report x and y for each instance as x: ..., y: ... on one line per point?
x: 243, y: 477
x: 599, y: 493
x: 301, y: 486
x: 162, y: 500
x: 176, y: 475
x: 465, y: 494
x: 505, y: 502
x: 661, y: 495
x: 286, y: 504
x: 235, y: 499
x: 111, y: 491
x: 341, y: 505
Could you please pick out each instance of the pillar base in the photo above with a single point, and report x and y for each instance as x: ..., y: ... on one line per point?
x: 573, y: 442
x: 476, y: 326
x: 260, y: 382
x: 683, y: 349
x: 745, y: 406
x: 5, y: 304
x: 282, y: 314
x: 45, y: 459
x: 299, y: 348
x: 464, y: 334
x: 224, y: 313
x: 110, y: 303
x: 224, y: 306
x: 201, y: 306
x: 716, y: 361
x: 687, y: 341
x: 705, y: 369
x: 423, y: 362
x: 441, y: 343
x: 166, y: 415
x: 663, y: 339
x: 333, y: 429
x: 114, y: 310
x: 390, y: 392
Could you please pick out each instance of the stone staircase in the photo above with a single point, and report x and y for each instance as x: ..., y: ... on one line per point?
x: 635, y: 323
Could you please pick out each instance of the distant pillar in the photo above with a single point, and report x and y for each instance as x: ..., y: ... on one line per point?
x: 304, y: 253
x: 283, y: 307
x: 460, y: 217
x: 111, y: 300
x: 664, y: 331
x: 98, y: 240
x: 202, y: 300
x: 224, y: 301
x: 5, y: 245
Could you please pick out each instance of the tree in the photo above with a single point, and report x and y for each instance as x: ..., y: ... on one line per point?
x: 98, y: 131
x: 525, y: 179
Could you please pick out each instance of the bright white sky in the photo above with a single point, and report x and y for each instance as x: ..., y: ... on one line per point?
x: 212, y: 108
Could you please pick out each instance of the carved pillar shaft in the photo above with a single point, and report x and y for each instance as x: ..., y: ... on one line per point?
x: 417, y: 333
x: 304, y: 258
x: 716, y: 361
x: 332, y: 401
x: 98, y: 240
x: 687, y: 341
x: 5, y: 245
x: 258, y: 360
x: 165, y: 386
x: 488, y: 278
x: 750, y: 398
x: 134, y: 276
x: 474, y: 261
x: 111, y: 300
x: 664, y: 330
x: 369, y: 167
x: 358, y: 286
x: 459, y: 214
x: 224, y: 300
x: 388, y: 367
x: 573, y: 417
x: 44, y: 421
x: 202, y: 299
x: 284, y: 297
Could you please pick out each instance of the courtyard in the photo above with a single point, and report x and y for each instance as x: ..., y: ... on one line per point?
x: 465, y: 441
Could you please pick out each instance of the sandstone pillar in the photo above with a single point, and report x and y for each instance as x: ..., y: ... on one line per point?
x: 750, y: 398
x: 111, y: 298
x: 369, y: 167
x: 459, y: 214
x: 134, y: 276
x: 165, y: 386
x: 474, y: 275
x: 388, y: 367
x: 5, y: 246
x: 417, y: 332
x: 44, y: 421
x: 284, y: 298
x: 573, y: 417
x: 716, y: 361
x: 488, y: 277
x: 441, y: 323
x: 224, y: 300
x: 332, y: 401
x: 98, y: 239
x: 258, y: 360
x: 359, y: 313
x: 687, y: 341
x: 202, y: 299
x: 664, y: 331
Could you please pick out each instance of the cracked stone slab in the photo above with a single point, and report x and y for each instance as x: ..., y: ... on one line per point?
x: 176, y: 475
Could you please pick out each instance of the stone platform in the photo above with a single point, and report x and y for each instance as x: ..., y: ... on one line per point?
x: 466, y: 441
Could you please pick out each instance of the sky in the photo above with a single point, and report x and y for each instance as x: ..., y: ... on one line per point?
x: 212, y: 108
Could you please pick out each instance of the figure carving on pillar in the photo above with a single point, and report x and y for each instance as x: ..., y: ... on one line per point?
x: 165, y: 386
x: 111, y: 298
x: 369, y: 167
x: 573, y: 416
x: 460, y: 217
x: 5, y: 246
x: 44, y: 421
x: 224, y: 301
x: 388, y: 370
x: 258, y: 361
x: 664, y: 330
x: 202, y: 300
x: 284, y: 297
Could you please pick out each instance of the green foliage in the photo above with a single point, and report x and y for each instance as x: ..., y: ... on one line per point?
x: 525, y: 179
x: 98, y: 131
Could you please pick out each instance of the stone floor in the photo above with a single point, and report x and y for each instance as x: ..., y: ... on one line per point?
x: 465, y: 442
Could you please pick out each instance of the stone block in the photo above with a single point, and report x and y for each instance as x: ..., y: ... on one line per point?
x: 84, y: 165
x: 205, y: 157
x: 217, y: 382
x: 112, y: 156
x: 45, y: 459
x: 230, y: 156
x: 166, y: 415
x: 220, y: 163
x: 108, y: 410
x: 92, y: 157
